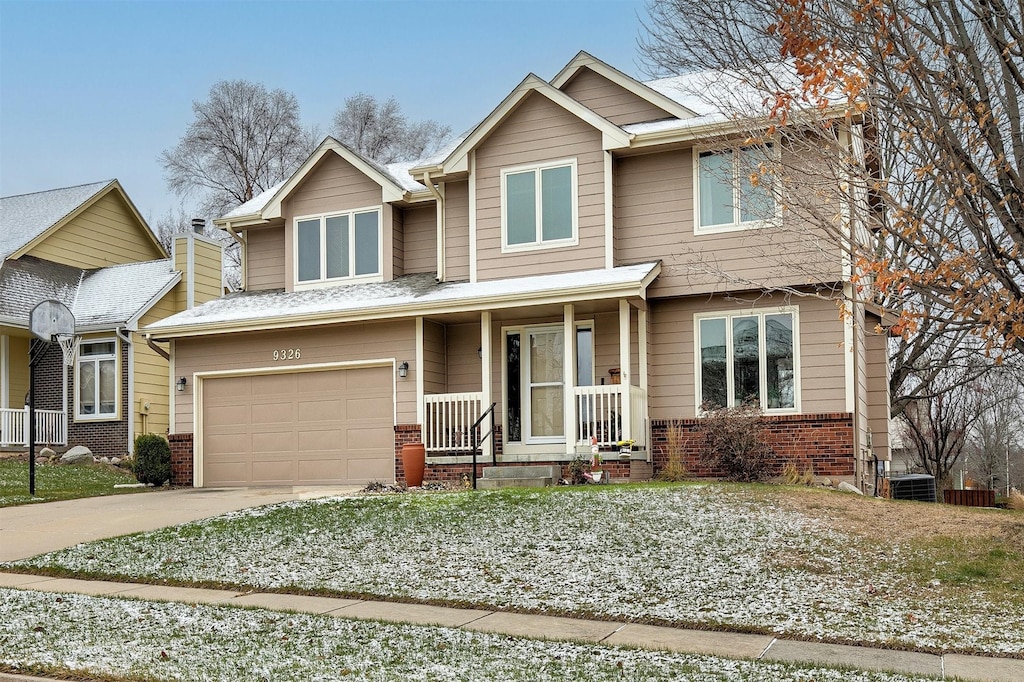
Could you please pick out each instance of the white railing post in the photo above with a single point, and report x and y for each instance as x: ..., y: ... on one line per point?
x: 447, y: 418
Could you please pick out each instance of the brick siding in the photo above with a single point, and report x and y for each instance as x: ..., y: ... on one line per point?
x: 106, y: 438
x: 822, y: 441
x: 181, y: 458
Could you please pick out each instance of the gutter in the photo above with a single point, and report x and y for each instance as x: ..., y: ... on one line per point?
x: 492, y: 302
x: 242, y: 256
x: 125, y: 336
x: 439, y: 198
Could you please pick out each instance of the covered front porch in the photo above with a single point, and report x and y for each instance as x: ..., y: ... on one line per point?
x: 51, y: 424
x: 560, y: 377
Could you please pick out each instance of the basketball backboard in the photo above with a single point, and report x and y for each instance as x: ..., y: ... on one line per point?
x: 50, y: 318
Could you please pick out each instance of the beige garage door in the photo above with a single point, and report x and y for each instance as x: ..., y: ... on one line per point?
x: 302, y: 428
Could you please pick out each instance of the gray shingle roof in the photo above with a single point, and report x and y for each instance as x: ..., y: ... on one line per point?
x: 26, y: 216
x: 101, y: 298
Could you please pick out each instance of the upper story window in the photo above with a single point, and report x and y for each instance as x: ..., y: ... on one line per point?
x: 96, y: 380
x: 748, y: 357
x: 338, y: 246
x: 538, y: 205
x: 726, y: 196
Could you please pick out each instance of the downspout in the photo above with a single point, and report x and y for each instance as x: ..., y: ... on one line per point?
x: 439, y: 198
x: 125, y: 336
x: 157, y: 349
x: 242, y: 260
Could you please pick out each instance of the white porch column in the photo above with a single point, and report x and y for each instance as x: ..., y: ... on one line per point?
x: 641, y: 335
x: 485, y: 367
x: 569, y: 377
x: 5, y: 371
x: 419, y: 373
x: 624, y: 367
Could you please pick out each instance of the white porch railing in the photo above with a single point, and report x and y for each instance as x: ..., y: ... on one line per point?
x: 51, y: 427
x: 599, y: 411
x: 447, y: 418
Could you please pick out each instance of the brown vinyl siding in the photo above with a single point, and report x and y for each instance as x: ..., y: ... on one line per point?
x: 456, y: 231
x: 397, y: 243
x: 264, y: 253
x: 105, y: 233
x: 420, y: 238
x: 463, y: 360
x: 613, y: 102
x: 434, y: 364
x: 539, y: 131
x: 240, y: 351
x: 878, y: 392
x: 654, y: 220
x: 672, y: 382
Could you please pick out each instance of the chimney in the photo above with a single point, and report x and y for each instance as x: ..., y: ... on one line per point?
x: 198, y: 225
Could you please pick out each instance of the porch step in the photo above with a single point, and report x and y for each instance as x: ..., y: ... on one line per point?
x: 519, y: 477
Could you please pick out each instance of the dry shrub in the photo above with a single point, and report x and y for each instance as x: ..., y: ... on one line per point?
x: 735, y: 442
x: 1016, y: 500
x: 791, y: 475
x: 674, y: 469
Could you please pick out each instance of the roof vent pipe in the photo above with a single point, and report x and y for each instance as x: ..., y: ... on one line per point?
x: 198, y: 225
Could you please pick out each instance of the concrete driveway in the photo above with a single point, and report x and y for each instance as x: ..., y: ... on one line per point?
x: 32, y: 529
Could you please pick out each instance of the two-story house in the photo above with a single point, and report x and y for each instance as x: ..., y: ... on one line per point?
x: 88, y: 248
x: 570, y: 261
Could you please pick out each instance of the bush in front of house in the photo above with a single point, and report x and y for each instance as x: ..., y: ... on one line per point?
x: 735, y: 443
x: 152, y: 459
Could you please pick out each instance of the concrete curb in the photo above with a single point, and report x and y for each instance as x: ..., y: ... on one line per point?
x: 725, y: 644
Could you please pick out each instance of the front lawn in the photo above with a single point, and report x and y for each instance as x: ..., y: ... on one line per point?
x: 117, y: 639
x: 797, y: 562
x: 60, y: 482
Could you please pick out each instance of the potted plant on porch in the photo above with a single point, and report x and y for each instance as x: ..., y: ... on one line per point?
x: 625, y: 448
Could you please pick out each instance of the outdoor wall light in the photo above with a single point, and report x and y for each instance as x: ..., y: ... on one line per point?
x: 403, y: 370
x: 180, y: 384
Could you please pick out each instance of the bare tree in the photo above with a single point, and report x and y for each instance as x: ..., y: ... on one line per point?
x: 997, y: 438
x: 244, y: 139
x: 380, y: 131
x: 937, y: 88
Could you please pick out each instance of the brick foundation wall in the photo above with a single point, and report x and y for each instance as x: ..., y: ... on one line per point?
x: 822, y: 441
x: 181, y: 458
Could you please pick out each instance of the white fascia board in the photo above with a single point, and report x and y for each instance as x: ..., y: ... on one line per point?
x: 612, y: 136
x: 560, y: 297
x: 645, y: 92
x: 389, y: 190
x: 133, y: 322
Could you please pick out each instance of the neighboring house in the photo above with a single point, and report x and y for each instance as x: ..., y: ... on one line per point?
x: 552, y: 262
x: 88, y: 247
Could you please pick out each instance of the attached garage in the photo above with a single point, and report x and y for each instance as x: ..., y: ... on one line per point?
x: 333, y: 426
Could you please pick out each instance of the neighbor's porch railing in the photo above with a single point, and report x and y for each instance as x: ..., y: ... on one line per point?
x: 448, y: 419
x: 51, y: 427
x: 599, y: 411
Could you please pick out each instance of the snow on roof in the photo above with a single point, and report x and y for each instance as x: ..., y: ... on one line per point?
x: 404, y: 291
x: 26, y: 216
x: 116, y: 294
x: 256, y: 204
x: 104, y: 297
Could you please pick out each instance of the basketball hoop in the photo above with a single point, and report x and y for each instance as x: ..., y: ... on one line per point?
x: 68, y: 346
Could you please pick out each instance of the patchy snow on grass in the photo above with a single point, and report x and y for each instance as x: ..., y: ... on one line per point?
x: 690, y: 555
x: 169, y: 641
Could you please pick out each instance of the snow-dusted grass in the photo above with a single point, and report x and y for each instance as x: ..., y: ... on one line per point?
x: 698, y: 555
x: 127, y: 639
x: 60, y: 482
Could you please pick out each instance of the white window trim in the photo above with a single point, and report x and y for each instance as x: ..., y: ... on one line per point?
x: 116, y: 356
x: 763, y: 388
x: 737, y: 225
x: 573, y: 205
x: 524, y: 407
x: 301, y: 285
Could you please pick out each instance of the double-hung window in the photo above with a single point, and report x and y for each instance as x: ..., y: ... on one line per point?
x: 338, y: 246
x: 748, y: 357
x: 728, y: 197
x: 538, y: 205
x: 96, y: 380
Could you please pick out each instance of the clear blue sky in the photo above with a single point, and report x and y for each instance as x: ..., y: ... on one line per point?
x: 93, y: 90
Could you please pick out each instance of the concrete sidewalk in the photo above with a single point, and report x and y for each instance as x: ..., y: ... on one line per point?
x: 729, y: 645
x: 31, y: 529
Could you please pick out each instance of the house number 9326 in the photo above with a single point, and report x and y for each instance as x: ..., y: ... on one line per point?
x: 288, y: 354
